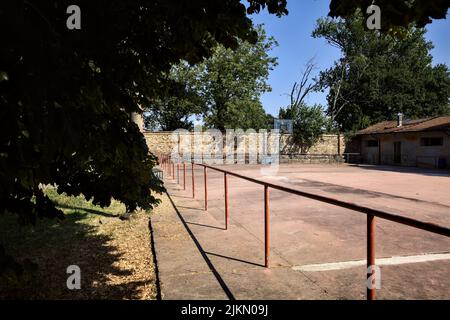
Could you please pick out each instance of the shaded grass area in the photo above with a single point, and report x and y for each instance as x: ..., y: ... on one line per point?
x: 114, y: 255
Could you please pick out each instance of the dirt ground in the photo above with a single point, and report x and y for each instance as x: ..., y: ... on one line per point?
x: 114, y: 256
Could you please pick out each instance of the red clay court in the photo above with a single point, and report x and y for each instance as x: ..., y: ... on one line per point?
x: 317, y: 250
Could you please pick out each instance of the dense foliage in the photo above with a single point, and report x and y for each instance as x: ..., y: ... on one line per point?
x: 309, y: 124
x: 177, y: 104
x: 231, y: 83
x: 396, y: 14
x: 380, y: 75
x: 223, y: 90
x: 66, y: 95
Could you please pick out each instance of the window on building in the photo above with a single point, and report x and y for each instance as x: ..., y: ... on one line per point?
x: 372, y: 143
x: 431, y: 142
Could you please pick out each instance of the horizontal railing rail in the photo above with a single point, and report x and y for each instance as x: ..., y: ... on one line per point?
x: 427, y: 226
x: 169, y: 165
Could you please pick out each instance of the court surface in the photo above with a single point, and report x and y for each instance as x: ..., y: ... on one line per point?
x: 318, y: 250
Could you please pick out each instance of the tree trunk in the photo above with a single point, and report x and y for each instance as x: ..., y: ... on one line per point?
x: 139, y: 120
x: 339, y: 142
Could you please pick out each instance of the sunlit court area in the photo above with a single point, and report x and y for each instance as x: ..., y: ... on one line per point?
x: 317, y: 250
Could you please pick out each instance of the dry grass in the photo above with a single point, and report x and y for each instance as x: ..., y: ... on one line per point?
x: 114, y: 256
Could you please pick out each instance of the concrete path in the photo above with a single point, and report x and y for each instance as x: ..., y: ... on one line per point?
x: 197, y: 259
x: 184, y: 272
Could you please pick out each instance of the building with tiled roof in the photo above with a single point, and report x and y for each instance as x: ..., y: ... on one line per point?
x: 423, y: 142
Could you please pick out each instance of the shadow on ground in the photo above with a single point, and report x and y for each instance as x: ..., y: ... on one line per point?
x: 400, y: 169
x: 54, y: 246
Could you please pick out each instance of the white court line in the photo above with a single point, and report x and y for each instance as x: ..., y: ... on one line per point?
x: 379, y: 262
x: 275, y: 177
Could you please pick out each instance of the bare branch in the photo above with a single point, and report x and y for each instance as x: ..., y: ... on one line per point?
x: 42, y: 16
x: 292, y: 93
x: 306, y: 85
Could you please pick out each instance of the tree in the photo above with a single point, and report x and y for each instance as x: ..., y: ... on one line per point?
x: 306, y: 85
x: 66, y: 95
x: 396, y: 14
x: 309, y: 124
x: 177, y: 103
x: 380, y: 75
x: 231, y: 83
x: 309, y: 121
x: 225, y: 89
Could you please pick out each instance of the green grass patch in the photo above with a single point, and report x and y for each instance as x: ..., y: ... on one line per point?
x: 47, y: 232
x: 52, y: 245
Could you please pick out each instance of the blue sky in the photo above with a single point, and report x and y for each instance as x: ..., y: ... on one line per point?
x: 296, y: 47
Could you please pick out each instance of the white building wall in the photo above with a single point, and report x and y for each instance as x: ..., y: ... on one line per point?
x: 412, y: 153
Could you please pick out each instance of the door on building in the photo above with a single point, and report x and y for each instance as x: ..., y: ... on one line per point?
x: 397, y: 152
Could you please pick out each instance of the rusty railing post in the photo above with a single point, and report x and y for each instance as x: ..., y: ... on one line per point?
x: 173, y: 170
x: 178, y: 173
x: 205, y: 175
x: 184, y: 176
x: 371, y: 273
x: 225, y: 181
x: 193, y: 182
x: 266, y: 227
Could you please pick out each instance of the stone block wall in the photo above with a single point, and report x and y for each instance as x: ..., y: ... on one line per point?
x: 165, y: 142
x: 327, y: 145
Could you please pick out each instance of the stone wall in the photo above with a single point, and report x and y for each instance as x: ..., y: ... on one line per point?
x: 327, y: 145
x: 165, y: 142
x: 159, y: 142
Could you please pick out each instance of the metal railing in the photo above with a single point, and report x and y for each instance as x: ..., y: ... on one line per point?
x: 169, y: 166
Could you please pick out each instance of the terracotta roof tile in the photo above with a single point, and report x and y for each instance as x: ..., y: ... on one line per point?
x: 429, y: 124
